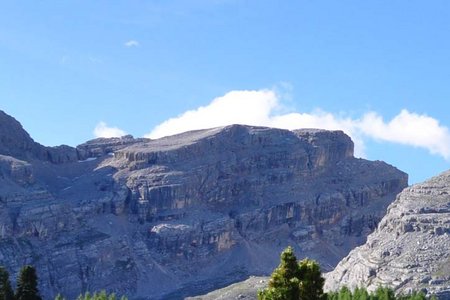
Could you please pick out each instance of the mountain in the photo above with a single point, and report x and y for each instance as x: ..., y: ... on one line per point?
x: 243, y: 290
x: 185, y: 214
x: 410, y: 248
x: 17, y: 143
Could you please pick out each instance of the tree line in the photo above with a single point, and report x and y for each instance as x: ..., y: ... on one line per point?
x: 302, y: 280
x: 27, y: 288
x: 26, y: 285
x: 291, y: 280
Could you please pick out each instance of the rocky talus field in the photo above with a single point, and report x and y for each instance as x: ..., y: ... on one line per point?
x: 186, y: 214
x: 410, y: 250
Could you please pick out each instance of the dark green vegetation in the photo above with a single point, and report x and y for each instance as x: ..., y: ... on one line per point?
x: 294, y: 280
x: 6, y: 291
x: 103, y: 295
x: 26, y: 285
x: 302, y: 280
x: 27, y: 289
x: 381, y: 293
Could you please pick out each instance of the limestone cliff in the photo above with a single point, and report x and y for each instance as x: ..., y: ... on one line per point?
x: 184, y: 214
x: 410, y: 248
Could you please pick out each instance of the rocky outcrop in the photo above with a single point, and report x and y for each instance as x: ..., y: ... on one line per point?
x: 410, y: 248
x: 186, y: 214
x: 17, y: 143
x: 106, y: 146
x: 245, y: 290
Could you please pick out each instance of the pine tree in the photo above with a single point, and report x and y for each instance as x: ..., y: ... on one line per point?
x: 361, y: 294
x: 384, y: 293
x: 27, y: 284
x: 344, y: 294
x: 311, y: 280
x: 381, y: 293
x: 284, y: 282
x: 6, y: 291
x: 293, y: 280
x: 102, y: 295
x: 59, y: 297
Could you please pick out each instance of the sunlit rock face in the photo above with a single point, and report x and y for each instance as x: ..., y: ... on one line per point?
x: 410, y: 248
x: 184, y: 214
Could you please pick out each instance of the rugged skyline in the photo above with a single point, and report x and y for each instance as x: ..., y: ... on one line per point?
x: 378, y: 70
x: 184, y: 214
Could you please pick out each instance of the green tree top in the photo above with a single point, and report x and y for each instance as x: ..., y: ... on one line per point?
x: 293, y: 280
x: 6, y: 291
x: 311, y: 280
x: 27, y: 284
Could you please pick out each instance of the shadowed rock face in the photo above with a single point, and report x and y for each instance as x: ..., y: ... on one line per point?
x: 410, y: 248
x: 186, y: 214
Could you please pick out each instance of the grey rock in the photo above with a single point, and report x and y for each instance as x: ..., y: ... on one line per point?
x: 247, y: 289
x: 186, y: 214
x: 106, y: 146
x: 410, y: 248
x: 16, y: 142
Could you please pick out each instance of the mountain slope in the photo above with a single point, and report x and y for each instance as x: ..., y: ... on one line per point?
x: 185, y: 214
x: 410, y: 248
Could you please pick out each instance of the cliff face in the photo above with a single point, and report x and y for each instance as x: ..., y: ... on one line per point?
x: 410, y: 248
x: 184, y: 214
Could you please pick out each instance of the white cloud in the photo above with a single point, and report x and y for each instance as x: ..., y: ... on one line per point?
x: 103, y: 130
x: 236, y: 107
x: 131, y: 43
x: 409, y: 129
x: 262, y: 108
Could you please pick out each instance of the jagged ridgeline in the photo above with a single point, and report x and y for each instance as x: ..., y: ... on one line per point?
x: 185, y: 214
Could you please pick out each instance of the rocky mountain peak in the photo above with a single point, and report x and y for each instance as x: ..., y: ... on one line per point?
x: 14, y: 140
x: 185, y: 214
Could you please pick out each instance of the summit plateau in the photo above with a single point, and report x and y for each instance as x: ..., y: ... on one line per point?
x: 184, y: 214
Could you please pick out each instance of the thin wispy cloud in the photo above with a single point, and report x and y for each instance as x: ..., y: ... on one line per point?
x: 262, y: 108
x: 131, y: 43
x: 103, y: 130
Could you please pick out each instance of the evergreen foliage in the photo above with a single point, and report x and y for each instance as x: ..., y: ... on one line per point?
x: 311, y: 280
x: 27, y: 284
x: 293, y: 280
x: 103, y: 295
x: 59, y: 297
x: 6, y: 291
x: 381, y: 293
x: 360, y: 294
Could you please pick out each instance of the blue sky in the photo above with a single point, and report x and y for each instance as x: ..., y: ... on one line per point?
x: 67, y: 66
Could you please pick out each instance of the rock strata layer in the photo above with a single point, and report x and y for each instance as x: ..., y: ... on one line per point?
x: 410, y: 248
x: 185, y: 214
